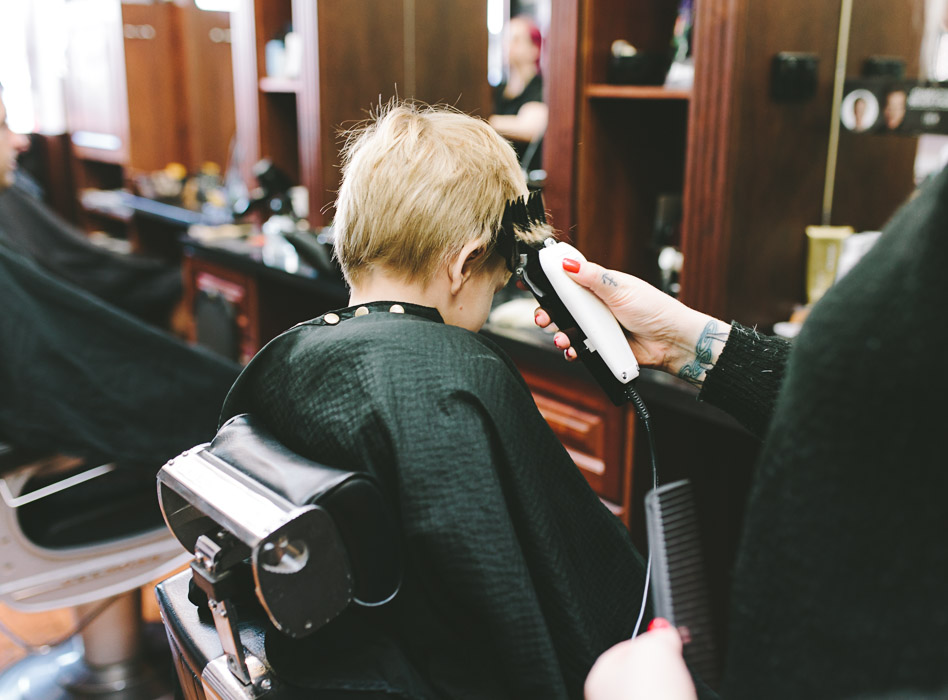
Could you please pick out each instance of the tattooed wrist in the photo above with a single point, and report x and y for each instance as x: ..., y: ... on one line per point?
x: 712, y: 338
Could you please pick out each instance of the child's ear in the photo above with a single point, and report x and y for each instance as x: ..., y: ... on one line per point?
x: 462, y: 265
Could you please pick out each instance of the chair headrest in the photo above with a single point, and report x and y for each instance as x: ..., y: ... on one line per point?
x: 318, y: 537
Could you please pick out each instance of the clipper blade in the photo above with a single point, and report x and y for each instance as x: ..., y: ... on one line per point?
x: 520, y: 213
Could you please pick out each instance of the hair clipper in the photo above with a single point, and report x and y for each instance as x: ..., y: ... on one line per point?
x: 593, y: 331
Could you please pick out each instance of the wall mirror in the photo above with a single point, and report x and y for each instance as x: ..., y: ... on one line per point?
x: 888, y: 42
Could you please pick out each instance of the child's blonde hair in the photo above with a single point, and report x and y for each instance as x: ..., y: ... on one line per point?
x: 418, y: 184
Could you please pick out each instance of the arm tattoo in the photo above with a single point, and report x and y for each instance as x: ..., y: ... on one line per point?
x: 609, y: 279
x: 695, y: 372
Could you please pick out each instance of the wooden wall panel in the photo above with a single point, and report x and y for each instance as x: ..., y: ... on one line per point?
x: 781, y: 151
x: 157, y: 96
x: 361, y: 63
x: 755, y: 167
x: 208, y: 74
x: 450, y: 57
x: 710, y: 162
x: 559, y: 143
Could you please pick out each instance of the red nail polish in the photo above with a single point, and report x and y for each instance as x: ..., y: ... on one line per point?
x: 570, y: 265
x: 556, y: 342
x: 659, y: 623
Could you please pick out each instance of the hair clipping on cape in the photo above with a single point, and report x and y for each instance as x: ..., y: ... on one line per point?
x: 521, y: 213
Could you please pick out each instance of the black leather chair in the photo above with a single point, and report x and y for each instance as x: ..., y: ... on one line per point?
x: 282, y: 546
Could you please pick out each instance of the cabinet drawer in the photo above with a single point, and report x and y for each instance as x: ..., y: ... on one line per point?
x: 581, y: 432
x: 593, y: 431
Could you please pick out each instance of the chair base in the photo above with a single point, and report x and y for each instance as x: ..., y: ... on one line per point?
x: 63, y: 674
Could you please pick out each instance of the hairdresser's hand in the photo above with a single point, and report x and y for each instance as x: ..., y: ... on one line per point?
x: 647, y: 667
x: 664, y: 333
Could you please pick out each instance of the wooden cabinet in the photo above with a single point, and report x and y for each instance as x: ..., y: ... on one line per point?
x: 356, y: 56
x: 147, y: 84
x: 596, y: 434
x: 238, y: 304
x: 207, y: 71
x: 224, y: 306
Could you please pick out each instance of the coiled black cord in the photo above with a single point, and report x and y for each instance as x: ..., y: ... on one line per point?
x: 642, y: 411
x: 632, y: 396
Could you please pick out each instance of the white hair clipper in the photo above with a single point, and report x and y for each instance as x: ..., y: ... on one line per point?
x: 593, y: 331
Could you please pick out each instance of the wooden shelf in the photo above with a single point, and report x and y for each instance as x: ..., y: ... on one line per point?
x: 634, y: 92
x: 117, y: 216
x: 279, y: 85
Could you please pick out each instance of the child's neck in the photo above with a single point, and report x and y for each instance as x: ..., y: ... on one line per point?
x: 383, y: 286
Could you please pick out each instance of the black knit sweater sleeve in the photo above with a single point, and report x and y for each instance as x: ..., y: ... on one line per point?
x: 746, y: 379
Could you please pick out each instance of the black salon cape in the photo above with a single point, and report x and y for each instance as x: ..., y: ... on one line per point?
x: 517, y: 576
x: 146, y: 288
x: 80, y: 377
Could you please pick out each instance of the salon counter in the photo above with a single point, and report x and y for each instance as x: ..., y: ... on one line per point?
x: 239, y: 298
x: 534, y: 348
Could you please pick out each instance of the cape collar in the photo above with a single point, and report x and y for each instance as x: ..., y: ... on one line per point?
x: 331, y: 318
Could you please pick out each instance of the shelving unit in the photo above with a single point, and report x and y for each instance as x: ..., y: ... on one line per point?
x: 356, y: 55
x: 749, y: 169
x: 631, y: 137
x: 608, y: 91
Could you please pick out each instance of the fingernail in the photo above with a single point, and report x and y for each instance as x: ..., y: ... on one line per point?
x: 570, y: 265
x: 659, y: 623
x: 556, y: 341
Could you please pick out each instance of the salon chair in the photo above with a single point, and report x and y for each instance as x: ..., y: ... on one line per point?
x: 87, y: 537
x: 282, y: 546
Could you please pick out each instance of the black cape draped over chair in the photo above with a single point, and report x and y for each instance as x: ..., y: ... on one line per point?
x: 79, y: 376
x: 144, y: 287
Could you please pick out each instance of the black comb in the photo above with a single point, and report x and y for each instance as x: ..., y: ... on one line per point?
x: 679, y: 581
